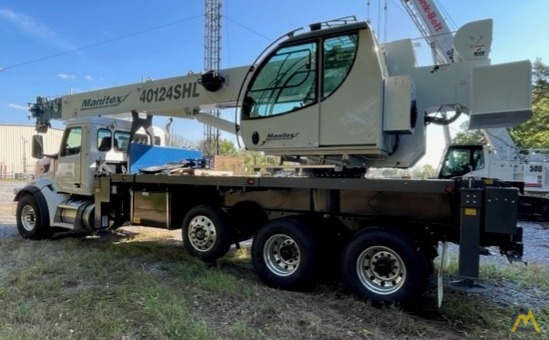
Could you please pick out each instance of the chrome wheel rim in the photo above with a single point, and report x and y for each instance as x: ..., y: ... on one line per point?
x: 28, y: 218
x: 202, y: 233
x: 282, y: 255
x: 381, y: 270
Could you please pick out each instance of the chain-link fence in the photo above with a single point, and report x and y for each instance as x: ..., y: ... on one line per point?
x: 7, y: 208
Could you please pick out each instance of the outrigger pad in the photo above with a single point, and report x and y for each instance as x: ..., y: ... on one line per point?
x: 468, y: 286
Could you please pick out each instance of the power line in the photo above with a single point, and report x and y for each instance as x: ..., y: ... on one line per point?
x: 32, y: 61
x: 248, y: 29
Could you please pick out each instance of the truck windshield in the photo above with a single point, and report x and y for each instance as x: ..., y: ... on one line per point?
x: 460, y: 161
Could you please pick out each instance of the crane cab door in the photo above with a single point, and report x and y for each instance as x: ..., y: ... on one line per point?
x: 281, y: 105
x: 320, y: 89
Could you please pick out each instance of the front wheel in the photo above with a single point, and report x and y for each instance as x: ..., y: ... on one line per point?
x: 206, y: 234
x: 383, y: 265
x: 32, y: 222
x: 285, y: 254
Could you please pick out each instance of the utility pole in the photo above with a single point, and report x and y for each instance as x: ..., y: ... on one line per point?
x: 212, y: 62
x: 24, y: 154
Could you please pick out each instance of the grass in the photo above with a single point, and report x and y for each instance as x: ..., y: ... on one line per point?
x: 97, y: 289
x: 519, y: 288
x: 144, y: 286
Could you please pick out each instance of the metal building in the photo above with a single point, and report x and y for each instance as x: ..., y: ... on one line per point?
x: 16, y: 149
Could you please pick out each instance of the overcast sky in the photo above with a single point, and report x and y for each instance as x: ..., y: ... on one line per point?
x: 49, y: 48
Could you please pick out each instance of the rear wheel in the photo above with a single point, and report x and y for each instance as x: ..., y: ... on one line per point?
x: 285, y: 254
x: 31, y: 221
x: 383, y: 265
x: 206, y: 234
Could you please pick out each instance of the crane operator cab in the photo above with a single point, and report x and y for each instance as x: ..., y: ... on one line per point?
x: 321, y: 94
x: 335, y: 95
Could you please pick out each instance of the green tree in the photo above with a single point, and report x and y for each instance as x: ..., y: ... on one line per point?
x: 227, y: 148
x: 256, y: 159
x: 534, y: 132
x: 468, y: 136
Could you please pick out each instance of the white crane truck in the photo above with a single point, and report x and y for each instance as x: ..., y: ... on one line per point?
x: 499, y: 157
x: 331, y: 95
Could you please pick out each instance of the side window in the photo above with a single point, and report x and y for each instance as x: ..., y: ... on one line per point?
x: 287, y: 81
x: 121, y: 140
x: 478, y: 160
x: 339, y: 56
x: 104, y: 140
x: 140, y: 138
x: 72, y: 142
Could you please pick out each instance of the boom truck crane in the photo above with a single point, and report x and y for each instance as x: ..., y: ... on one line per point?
x: 499, y: 157
x: 330, y: 95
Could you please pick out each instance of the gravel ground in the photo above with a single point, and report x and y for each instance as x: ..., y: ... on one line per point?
x: 536, y: 245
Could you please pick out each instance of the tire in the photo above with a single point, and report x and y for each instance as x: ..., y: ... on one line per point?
x: 32, y: 218
x: 383, y: 265
x: 206, y: 234
x: 285, y: 254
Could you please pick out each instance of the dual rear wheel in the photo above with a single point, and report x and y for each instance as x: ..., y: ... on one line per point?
x: 378, y: 264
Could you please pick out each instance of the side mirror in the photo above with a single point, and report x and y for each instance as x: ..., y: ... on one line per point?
x: 37, y: 146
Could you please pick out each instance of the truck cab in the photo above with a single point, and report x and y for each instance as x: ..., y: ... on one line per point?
x: 461, y: 160
x: 528, y: 166
x: 86, y: 145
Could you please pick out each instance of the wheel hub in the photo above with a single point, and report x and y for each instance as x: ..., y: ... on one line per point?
x: 288, y: 253
x: 381, y: 270
x: 281, y: 254
x: 202, y: 233
x: 385, y: 266
x: 28, y: 218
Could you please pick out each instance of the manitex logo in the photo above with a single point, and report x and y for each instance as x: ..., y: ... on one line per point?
x: 282, y: 135
x: 106, y: 101
x: 526, y: 319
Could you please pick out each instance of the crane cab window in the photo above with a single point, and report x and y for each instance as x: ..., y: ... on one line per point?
x: 339, y: 57
x: 289, y: 79
x: 286, y: 82
x: 72, y: 142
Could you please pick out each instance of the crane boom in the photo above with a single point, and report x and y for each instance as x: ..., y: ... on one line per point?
x: 433, y: 27
x: 184, y: 96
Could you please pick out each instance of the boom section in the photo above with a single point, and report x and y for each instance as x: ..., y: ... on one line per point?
x: 183, y: 96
